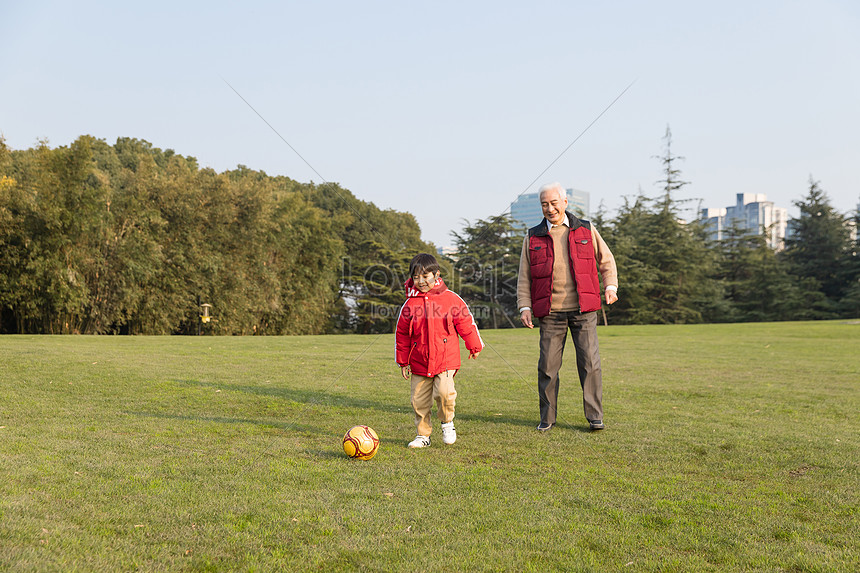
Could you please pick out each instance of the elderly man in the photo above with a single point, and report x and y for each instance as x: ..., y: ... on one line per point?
x: 558, y: 284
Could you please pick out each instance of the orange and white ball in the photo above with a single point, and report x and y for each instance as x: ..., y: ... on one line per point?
x: 360, y: 442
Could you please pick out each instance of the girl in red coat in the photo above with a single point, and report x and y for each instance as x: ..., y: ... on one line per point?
x: 428, y: 347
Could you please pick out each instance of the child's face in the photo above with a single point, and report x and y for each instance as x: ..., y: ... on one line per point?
x: 424, y: 282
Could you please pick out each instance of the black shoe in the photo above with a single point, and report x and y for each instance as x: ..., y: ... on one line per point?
x: 596, y: 424
x: 543, y: 427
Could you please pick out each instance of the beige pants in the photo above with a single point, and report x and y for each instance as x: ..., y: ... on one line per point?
x: 424, y: 391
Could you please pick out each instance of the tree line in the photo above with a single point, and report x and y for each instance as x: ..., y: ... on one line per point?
x: 129, y: 238
x: 132, y: 239
x: 671, y: 273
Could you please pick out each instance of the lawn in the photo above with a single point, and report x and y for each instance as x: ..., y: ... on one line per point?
x: 727, y: 448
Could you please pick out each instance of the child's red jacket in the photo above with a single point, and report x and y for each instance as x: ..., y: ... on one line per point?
x: 427, y: 328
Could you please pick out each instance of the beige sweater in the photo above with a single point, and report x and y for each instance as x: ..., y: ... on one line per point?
x: 564, y: 296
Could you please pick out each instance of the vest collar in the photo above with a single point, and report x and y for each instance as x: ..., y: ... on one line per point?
x: 564, y: 223
x: 542, y: 228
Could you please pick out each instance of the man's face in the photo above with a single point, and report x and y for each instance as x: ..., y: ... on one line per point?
x: 425, y: 281
x: 553, y: 204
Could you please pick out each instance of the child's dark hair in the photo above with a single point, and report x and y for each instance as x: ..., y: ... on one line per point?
x: 423, y: 263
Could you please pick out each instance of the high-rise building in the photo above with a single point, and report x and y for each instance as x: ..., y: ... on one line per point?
x: 713, y: 219
x: 753, y: 214
x: 527, y: 212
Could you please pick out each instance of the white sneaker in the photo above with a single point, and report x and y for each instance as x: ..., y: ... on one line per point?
x: 449, y: 434
x: 419, y: 442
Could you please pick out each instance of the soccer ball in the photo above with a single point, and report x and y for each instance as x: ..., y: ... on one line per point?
x: 360, y: 442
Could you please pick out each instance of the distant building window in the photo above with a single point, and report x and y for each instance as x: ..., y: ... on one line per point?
x: 753, y: 214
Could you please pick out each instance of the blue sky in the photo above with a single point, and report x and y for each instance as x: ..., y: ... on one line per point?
x: 449, y: 110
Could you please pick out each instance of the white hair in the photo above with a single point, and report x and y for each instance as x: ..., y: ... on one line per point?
x: 553, y: 187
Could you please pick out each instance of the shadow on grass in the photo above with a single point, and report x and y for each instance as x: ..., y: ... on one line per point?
x: 334, y: 453
x: 224, y: 420
x: 494, y: 419
x: 321, y: 398
x: 328, y: 454
x: 530, y: 423
x: 309, y: 397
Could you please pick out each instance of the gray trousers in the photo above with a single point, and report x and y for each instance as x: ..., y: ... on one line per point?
x: 553, y: 335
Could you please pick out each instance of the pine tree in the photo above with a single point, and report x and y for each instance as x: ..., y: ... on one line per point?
x: 757, y: 283
x: 664, y: 261
x: 819, y: 247
x: 850, y: 302
x: 487, y: 265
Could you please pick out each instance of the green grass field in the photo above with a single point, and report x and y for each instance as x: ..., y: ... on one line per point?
x: 727, y: 448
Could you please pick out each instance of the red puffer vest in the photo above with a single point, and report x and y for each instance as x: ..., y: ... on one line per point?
x: 582, y: 266
x: 427, y: 328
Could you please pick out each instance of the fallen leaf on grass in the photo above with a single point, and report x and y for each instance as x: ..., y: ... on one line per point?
x: 1, y: 427
x: 628, y: 564
x: 96, y: 362
x: 217, y: 391
x: 189, y: 551
x: 139, y: 525
x: 408, y: 529
x: 295, y: 520
x: 388, y: 493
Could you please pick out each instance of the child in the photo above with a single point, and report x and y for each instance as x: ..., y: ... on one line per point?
x: 427, y: 346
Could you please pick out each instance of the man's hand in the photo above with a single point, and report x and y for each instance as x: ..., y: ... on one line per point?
x: 611, y: 296
x: 405, y: 371
x: 526, y: 318
x: 473, y: 355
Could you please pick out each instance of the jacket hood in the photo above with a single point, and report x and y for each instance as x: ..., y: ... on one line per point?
x: 438, y: 288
